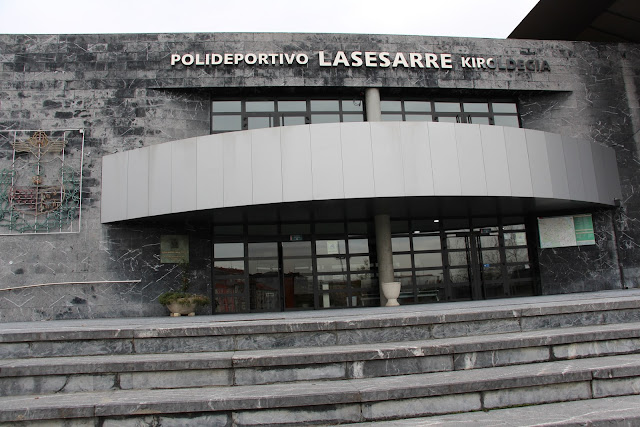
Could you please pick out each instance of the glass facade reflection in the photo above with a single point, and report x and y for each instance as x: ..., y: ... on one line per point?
x: 270, y: 267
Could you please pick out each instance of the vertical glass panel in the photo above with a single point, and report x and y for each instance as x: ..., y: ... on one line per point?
x: 330, y: 247
x: 400, y: 244
x: 402, y: 261
x: 426, y: 243
x: 427, y: 260
x: 504, y: 107
x: 418, y: 118
x: 228, y: 268
x: 417, y: 106
x: 493, y: 272
x: 520, y: 271
x: 334, y: 299
x: 259, y: 106
x: 490, y: 257
x: 363, y: 281
x: 352, y: 105
x: 298, y: 291
x: 259, y: 122
x: 295, y: 229
x: 479, y: 120
x: 264, y: 293
x: 515, y: 239
x: 335, y: 264
x: 226, y: 106
x: 391, y: 105
x: 459, y: 275
x: 475, y: 107
x: 353, y: 118
x: 430, y: 285
x: 447, y: 107
x: 325, y: 105
x: 522, y: 288
x: 263, y: 250
x: 297, y: 266
x: 358, y: 246
x: 454, y: 242
x: 359, y: 263
x: 516, y: 255
x: 228, y: 250
x: 489, y: 241
x: 332, y: 282
x: 226, y: 123
x: 292, y: 105
x: 290, y: 249
x: 511, y: 121
x: 325, y: 118
x: 228, y: 295
x: 391, y: 117
x: 293, y: 120
x: 448, y: 119
x: 260, y: 266
x: 458, y: 258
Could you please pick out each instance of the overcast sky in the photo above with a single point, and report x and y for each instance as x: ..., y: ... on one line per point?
x: 468, y: 18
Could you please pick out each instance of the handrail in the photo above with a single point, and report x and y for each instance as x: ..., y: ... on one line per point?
x: 71, y: 283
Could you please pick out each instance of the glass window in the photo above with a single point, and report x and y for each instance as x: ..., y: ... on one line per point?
x: 226, y: 123
x: 359, y: 263
x: 475, y: 107
x: 228, y: 250
x: 427, y: 260
x: 391, y: 105
x: 358, y: 246
x: 228, y: 230
x: 392, y: 117
x: 504, y: 107
x: 479, y: 120
x: 259, y: 122
x: 400, y: 244
x: 330, y: 247
x: 353, y: 118
x: 262, y: 250
x: 325, y: 118
x: 292, y: 105
x: 335, y: 264
x: 290, y: 249
x: 402, y: 261
x: 506, y: 121
x: 325, y: 105
x: 426, y: 243
x: 228, y: 268
x: 259, y: 106
x: 354, y: 105
x: 417, y: 106
x: 515, y: 239
x: 330, y: 228
x: 418, y: 118
x: 448, y: 119
x: 447, y: 107
x: 293, y: 120
x: 226, y: 106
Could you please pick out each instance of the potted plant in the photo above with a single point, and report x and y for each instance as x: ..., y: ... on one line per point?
x: 182, y: 302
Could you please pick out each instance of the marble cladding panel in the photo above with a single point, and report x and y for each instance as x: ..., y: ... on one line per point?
x: 123, y: 92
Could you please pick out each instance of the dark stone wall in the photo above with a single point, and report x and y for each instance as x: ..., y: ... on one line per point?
x: 122, y: 90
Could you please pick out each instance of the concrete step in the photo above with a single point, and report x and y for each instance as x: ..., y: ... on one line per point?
x: 183, y: 370
x: 353, y: 400
x: 611, y: 411
x: 315, y: 329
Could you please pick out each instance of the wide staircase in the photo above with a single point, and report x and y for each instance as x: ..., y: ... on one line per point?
x: 554, y: 360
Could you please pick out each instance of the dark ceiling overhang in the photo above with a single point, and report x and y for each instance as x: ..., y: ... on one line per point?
x: 582, y: 20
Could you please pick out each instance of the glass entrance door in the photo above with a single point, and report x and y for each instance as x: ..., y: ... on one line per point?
x: 475, y: 264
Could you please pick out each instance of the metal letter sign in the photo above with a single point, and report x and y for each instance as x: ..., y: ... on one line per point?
x: 40, y: 181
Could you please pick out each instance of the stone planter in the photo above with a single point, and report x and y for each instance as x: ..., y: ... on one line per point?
x: 182, y: 307
x: 391, y: 291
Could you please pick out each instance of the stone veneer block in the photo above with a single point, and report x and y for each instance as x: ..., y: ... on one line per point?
x: 334, y: 414
x: 409, y: 408
x: 176, y: 379
x: 488, y: 359
x: 537, y: 395
x: 184, y: 344
x: 270, y: 375
x: 401, y: 366
x: 165, y: 420
x: 616, y: 387
x: 597, y: 348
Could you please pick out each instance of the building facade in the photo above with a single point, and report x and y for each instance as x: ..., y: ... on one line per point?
x: 300, y: 171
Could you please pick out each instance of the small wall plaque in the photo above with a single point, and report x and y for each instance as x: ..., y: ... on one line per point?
x: 174, y: 249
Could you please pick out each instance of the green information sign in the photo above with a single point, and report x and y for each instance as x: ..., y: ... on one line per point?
x: 584, y: 230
